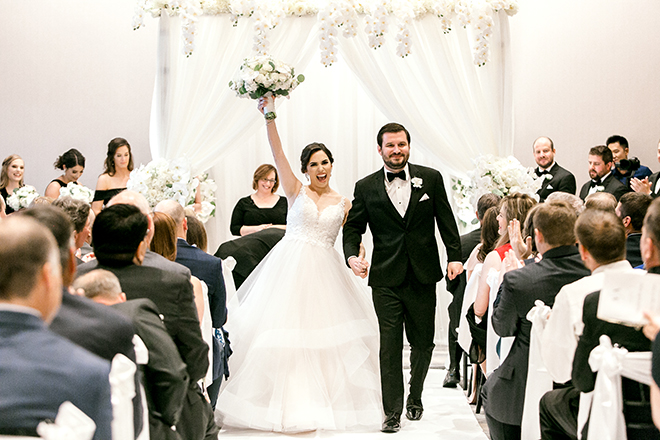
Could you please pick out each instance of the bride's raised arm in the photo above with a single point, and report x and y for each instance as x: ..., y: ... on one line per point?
x: 290, y: 183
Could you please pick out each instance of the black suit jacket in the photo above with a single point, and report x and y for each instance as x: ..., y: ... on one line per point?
x: 505, y: 388
x: 562, y: 180
x: 611, y: 184
x: 402, y: 242
x: 468, y: 242
x: 653, y: 180
x: 165, y: 375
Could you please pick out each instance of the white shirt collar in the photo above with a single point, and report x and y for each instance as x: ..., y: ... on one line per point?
x: 617, y: 265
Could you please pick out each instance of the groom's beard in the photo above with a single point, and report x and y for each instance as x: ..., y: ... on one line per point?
x: 396, y: 162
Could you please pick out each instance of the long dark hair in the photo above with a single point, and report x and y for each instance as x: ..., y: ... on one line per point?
x: 109, y: 164
x: 310, y: 149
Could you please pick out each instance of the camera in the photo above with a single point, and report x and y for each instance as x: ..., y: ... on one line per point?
x: 631, y: 164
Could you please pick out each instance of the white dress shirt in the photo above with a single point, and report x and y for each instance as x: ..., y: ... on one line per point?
x: 565, y: 325
x: 594, y: 189
x: 399, y: 191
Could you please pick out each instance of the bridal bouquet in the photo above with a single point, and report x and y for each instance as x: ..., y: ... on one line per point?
x: 498, y: 175
x: 264, y: 76
x: 163, y: 179
x: 77, y: 191
x: 22, y: 197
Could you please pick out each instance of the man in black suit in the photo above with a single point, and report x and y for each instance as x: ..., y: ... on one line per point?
x: 600, y: 172
x: 401, y: 204
x: 165, y: 377
x: 560, y: 179
x: 504, y: 391
x: 631, y: 209
x: 120, y: 242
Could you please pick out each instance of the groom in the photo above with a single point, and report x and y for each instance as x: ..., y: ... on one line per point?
x: 401, y: 203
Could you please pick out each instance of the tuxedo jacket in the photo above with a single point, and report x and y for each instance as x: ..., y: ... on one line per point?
x: 653, y: 180
x: 40, y: 370
x: 208, y: 269
x: 172, y: 293
x: 165, y: 375
x: 468, y: 242
x: 611, y: 185
x: 402, y: 242
x: 505, y: 388
x: 562, y: 180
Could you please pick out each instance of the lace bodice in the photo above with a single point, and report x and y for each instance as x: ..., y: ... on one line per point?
x: 305, y: 222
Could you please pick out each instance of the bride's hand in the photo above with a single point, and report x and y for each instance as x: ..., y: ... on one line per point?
x: 264, y: 101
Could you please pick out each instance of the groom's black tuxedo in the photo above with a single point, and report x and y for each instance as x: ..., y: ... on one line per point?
x: 405, y: 266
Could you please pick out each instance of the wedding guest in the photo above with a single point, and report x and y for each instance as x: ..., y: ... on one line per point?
x: 651, y: 331
x: 73, y: 164
x: 631, y: 209
x: 601, y: 200
x: 504, y: 390
x: 571, y: 199
x: 647, y: 185
x: 602, y: 246
x: 41, y: 370
x: 2, y: 208
x: 600, y: 172
x: 625, y: 169
x: 80, y: 215
x: 558, y: 178
x: 116, y: 173
x: 11, y: 178
x: 165, y: 377
x: 196, y: 234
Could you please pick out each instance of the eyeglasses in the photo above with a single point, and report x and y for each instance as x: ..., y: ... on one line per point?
x: 269, y: 180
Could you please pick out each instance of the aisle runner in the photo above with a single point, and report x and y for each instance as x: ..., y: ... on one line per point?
x: 447, y: 416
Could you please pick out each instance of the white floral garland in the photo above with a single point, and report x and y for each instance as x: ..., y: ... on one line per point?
x: 336, y: 15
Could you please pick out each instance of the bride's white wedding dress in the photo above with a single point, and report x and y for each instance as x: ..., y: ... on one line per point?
x: 305, y: 335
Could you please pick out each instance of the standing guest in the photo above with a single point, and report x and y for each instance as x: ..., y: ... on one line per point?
x: 559, y: 179
x: 504, y: 391
x: 73, y: 164
x: 11, y: 178
x: 647, y: 185
x: 600, y: 172
x: 117, y: 170
x: 80, y: 215
x: 625, y: 169
x: 165, y: 377
x: 39, y: 369
x: 631, y: 209
x: 402, y: 203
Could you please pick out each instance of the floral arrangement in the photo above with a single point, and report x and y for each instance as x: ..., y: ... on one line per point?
x: 498, y: 175
x: 338, y: 15
x: 22, y: 197
x: 261, y: 75
x: 206, y: 189
x: 78, y: 192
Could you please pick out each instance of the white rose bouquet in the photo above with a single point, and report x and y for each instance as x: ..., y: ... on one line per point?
x: 498, y: 175
x: 162, y: 179
x: 264, y: 76
x: 77, y: 191
x: 22, y: 197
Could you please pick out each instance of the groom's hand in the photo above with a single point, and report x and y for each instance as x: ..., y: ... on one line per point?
x: 454, y: 269
x: 359, y: 265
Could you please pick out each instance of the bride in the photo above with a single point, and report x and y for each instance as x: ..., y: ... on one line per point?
x: 305, y: 335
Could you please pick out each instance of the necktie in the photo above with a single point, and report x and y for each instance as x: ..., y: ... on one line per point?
x: 595, y: 182
x: 540, y: 172
x: 391, y: 176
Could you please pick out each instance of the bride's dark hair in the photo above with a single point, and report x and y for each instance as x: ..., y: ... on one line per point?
x: 311, y: 149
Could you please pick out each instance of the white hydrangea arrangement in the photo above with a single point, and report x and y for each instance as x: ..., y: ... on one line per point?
x: 498, y: 175
x: 258, y: 76
x: 163, y: 179
x: 77, y: 191
x: 22, y: 197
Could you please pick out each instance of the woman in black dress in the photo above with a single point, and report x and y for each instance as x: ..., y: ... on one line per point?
x: 118, y: 166
x: 73, y: 164
x: 11, y: 177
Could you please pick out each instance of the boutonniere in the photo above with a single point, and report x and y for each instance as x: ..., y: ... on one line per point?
x: 600, y: 188
x: 416, y: 182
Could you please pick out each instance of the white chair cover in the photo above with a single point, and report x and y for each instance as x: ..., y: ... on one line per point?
x: 70, y: 424
x: 539, y: 380
x: 228, y: 265
x: 207, y: 334
x: 464, y: 335
x: 122, y: 391
x: 493, y: 360
x: 605, y: 404
x: 142, y: 358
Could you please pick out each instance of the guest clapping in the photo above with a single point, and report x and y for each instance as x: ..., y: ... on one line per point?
x: 11, y: 177
x: 117, y: 170
x: 73, y: 164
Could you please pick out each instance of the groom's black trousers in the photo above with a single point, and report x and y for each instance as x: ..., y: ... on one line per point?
x: 411, y: 306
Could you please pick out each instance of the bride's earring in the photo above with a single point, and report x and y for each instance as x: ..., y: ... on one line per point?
x: 307, y: 178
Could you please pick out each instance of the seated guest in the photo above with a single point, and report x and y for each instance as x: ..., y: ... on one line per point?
x: 165, y: 376
x: 571, y: 199
x: 116, y: 172
x: 624, y: 169
x: 80, y: 215
x: 72, y: 163
x: 601, y: 200
x: 648, y: 185
x: 602, y: 244
x: 196, y: 234
x: 40, y: 370
x: 504, y: 390
x: 559, y: 179
x: 11, y: 178
x: 600, y: 172
x: 120, y: 244
x: 636, y: 408
x: 631, y: 209
x: 651, y: 332
x: 2, y: 208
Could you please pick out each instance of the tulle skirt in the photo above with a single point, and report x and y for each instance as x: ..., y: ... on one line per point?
x: 305, y: 341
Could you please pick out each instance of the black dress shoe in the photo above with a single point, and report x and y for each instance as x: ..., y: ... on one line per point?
x: 452, y: 379
x: 391, y: 425
x: 414, y: 409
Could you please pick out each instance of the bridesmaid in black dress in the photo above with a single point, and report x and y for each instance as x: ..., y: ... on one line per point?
x: 118, y: 166
x: 73, y: 164
x: 11, y: 177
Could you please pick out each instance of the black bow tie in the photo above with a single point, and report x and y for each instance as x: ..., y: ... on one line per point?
x: 540, y: 172
x: 391, y: 176
x: 595, y: 182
